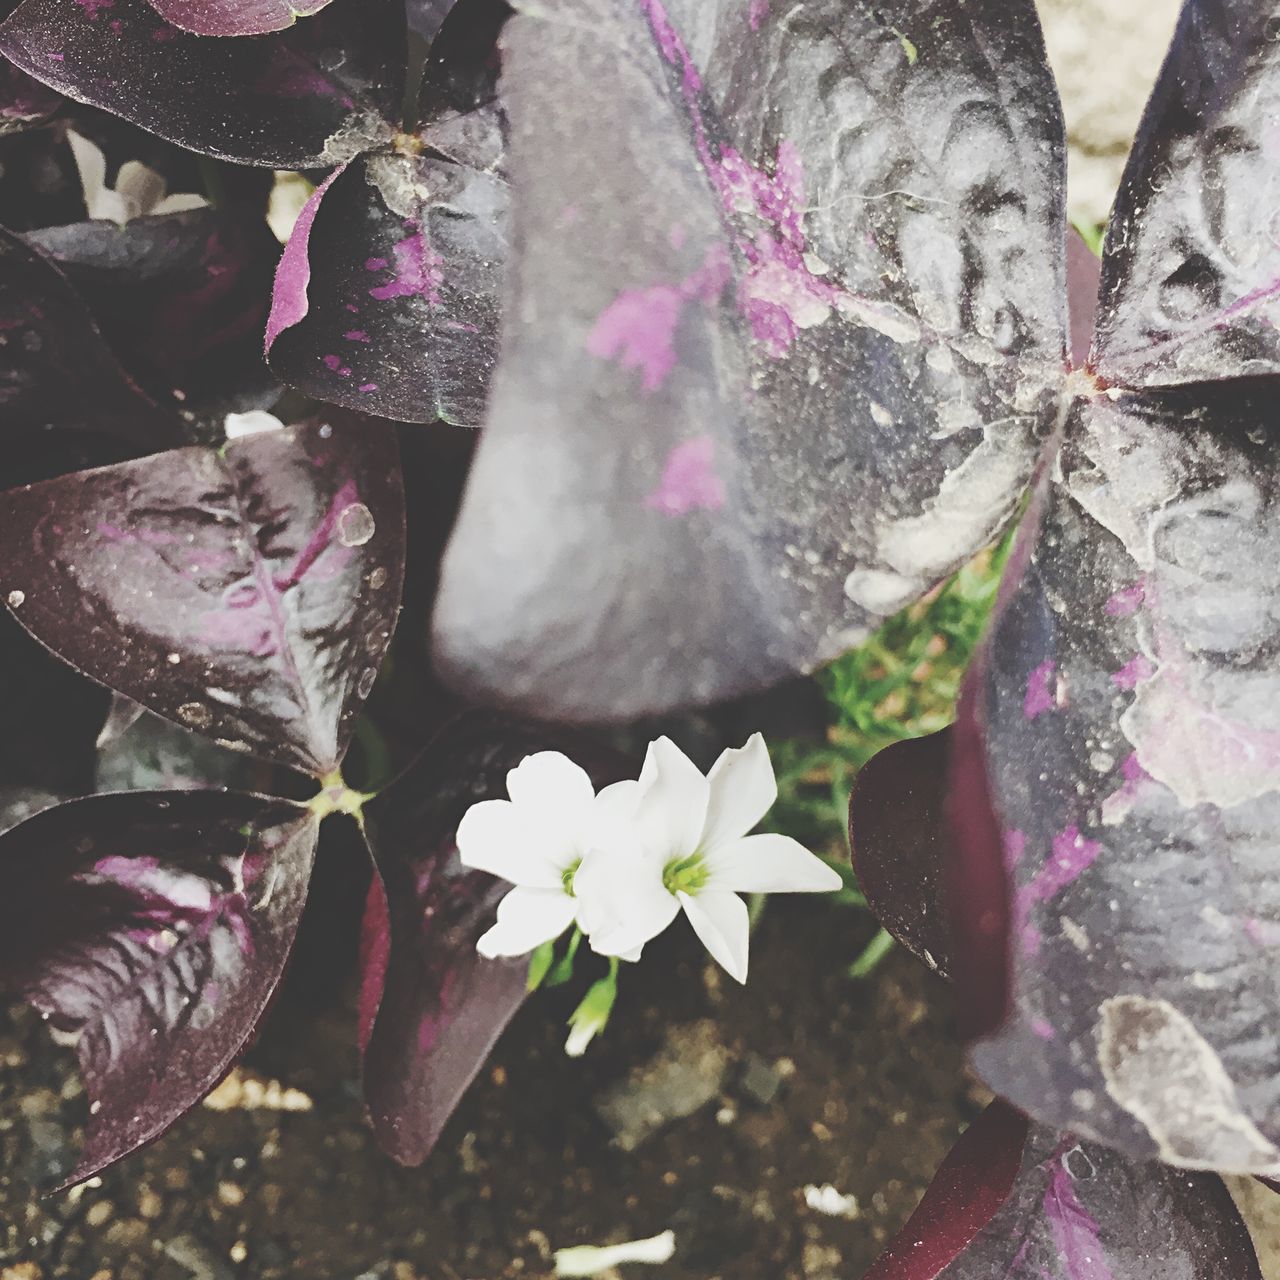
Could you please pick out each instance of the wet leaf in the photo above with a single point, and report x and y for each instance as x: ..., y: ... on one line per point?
x: 387, y: 295
x: 752, y: 397
x: 311, y: 96
x: 154, y: 929
x: 248, y: 593
x: 235, y: 17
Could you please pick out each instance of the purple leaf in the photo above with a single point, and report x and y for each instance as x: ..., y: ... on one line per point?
x: 751, y: 398
x: 1128, y: 707
x: 23, y: 101
x: 1023, y: 1204
x: 248, y: 593
x: 387, y: 295
x: 181, y: 297
x: 55, y: 369
x: 311, y: 96
x: 1191, y: 275
x: 154, y: 928
x: 898, y: 839
x: 431, y: 1007
x: 235, y: 17
x: 1083, y: 270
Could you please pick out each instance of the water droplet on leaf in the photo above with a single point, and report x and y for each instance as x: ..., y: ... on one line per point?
x: 195, y: 714
x: 16, y: 598
x: 355, y: 525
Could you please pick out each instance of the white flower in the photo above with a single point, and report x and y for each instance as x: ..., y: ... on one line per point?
x: 239, y: 425
x: 692, y: 853
x: 139, y: 189
x: 537, y: 840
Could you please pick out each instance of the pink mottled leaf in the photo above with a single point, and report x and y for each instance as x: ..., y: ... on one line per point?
x: 310, y: 96
x: 235, y: 17
x: 755, y: 391
x: 1023, y: 1203
x: 153, y: 928
x: 248, y: 593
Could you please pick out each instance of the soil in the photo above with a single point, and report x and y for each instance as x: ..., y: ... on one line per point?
x: 811, y: 1078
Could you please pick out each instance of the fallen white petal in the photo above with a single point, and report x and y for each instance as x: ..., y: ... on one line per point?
x: 722, y: 922
x: 826, y: 1199
x: 494, y: 836
x: 770, y: 864
x: 591, y: 1260
x: 140, y: 186
x: 526, y: 919
x: 179, y: 202
x: 743, y: 790
x: 673, y: 801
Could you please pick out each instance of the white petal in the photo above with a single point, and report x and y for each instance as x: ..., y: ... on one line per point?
x: 743, y: 790
x: 551, y: 784
x: 590, y: 1260
x: 526, y: 919
x: 91, y: 163
x: 140, y: 186
x: 673, y: 804
x: 180, y: 202
x: 494, y: 836
x: 770, y: 864
x: 622, y: 903
x: 721, y: 921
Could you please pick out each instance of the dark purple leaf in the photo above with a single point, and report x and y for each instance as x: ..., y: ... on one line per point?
x: 1083, y: 270
x: 182, y: 298
x: 1065, y: 1210
x: 235, y: 17
x: 387, y: 294
x: 154, y: 928
x: 431, y: 1007
x: 55, y: 369
x: 970, y: 1187
x: 898, y: 838
x: 311, y: 96
x: 23, y: 101
x: 752, y: 396
x: 1191, y: 278
x: 1129, y: 708
x: 248, y: 593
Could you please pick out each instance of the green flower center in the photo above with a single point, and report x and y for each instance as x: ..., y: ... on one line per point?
x: 566, y: 876
x: 686, y: 875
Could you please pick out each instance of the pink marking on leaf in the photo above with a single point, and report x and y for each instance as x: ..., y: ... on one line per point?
x: 356, y: 335
x: 759, y: 12
x: 56, y: 57
x: 1134, y: 672
x: 371, y: 264
x: 1117, y: 806
x: 638, y: 330
x: 1015, y: 848
x: 333, y: 362
x: 1071, y: 856
x: 1075, y: 1231
x: 1042, y: 1029
x: 418, y: 272
x: 1040, y: 695
x: 366, y: 387
x: 289, y: 302
x: 1126, y: 602
x: 93, y: 7
x: 689, y: 480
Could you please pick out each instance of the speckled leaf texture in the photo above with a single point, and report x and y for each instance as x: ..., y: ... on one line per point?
x: 1191, y: 285
x: 431, y: 1007
x: 387, y: 295
x: 1021, y: 1202
x: 55, y: 369
x: 182, y: 299
x: 154, y: 929
x: 235, y: 17
x: 311, y: 96
x: 248, y: 593
x: 784, y: 314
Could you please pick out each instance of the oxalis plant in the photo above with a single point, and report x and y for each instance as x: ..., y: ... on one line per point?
x: 763, y: 309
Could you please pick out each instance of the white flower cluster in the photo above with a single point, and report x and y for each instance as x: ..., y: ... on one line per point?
x: 622, y: 864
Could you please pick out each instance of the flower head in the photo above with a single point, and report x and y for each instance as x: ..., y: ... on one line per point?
x: 537, y: 840
x: 689, y: 850
x: 139, y: 189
